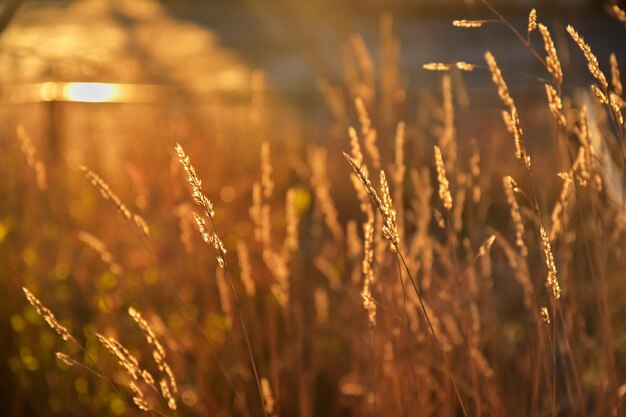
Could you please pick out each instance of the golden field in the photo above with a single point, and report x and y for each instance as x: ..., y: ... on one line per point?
x: 445, y: 252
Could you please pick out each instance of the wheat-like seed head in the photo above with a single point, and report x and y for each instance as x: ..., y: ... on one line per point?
x: 106, y: 192
x: 368, y: 271
x: 498, y: 80
x: 211, y: 238
x: 370, y: 136
x: 67, y: 360
x: 556, y: 105
x: 551, y: 280
x: 532, y: 21
x: 468, y: 23
x: 619, y: 14
x: 390, y: 229
x: 267, y: 183
x: 592, y: 61
x: 512, y: 122
x: 510, y: 188
x: 444, y: 185
x: 48, y: 316
x: 440, y: 66
x: 290, y: 244
x: 486, y: 246
x: 245, y: 268
x: 615, y: 76
x: 437, y: 66
x: 196, y: 184
x: 139, y: 397
x: 552, y: 59
x: 124, y: 358
x: 559, y: 210
x: 545, y: 315
x: 268, y: 397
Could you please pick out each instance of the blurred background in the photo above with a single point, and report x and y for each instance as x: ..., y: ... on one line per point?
x: 113, y: 84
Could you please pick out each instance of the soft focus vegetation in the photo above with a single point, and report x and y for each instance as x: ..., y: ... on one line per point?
x: 430, y: 254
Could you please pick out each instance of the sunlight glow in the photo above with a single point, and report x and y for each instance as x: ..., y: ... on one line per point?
x: 91, y: 92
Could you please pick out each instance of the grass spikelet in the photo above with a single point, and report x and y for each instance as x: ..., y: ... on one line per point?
x: 158, y: 355
x: 355, y: 147
x: 474, y: 163
x: 196, y: 184
x: 30, y: 152
x: 277, y: 265
x: 256, y: 211
x: 67, y: 360
x: 440, y: 66
x: 552, y: 59
x: 616, y: 81
x: 555, y: 104
x: 510, y: 188
x: 268, y: 397
x: 498, y: 80
x: 106, y: 192
x: 618, y: 13
x: 370, y: 137
x: 124, y: 358
x: 139, y: 398
x: 48, y: 316
x: 368, y: 272
x: 444, y: 185
x: 390, y: 229
x: 361, y: 173
x: 532, y: 21
x: 512, y: 122
x: 447, y: 140
x: 245, y: 268
x: 211, y: 238
x: 290, y: 245
x: 551, y: 280
x: 486, y: 246
x: 398, y: 177
x: 545, y: 315
x: 266, y: 171
x: 468, y: 23
x: 464, y: 66
x: 592, y: 61
x: 436, y: 66
x: 559, y: 212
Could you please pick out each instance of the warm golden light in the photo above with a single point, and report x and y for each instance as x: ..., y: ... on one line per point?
x: 91, y: 92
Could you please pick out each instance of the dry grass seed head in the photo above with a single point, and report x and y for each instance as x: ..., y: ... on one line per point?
x: 48, y: 316
x: 498, y: 80
x: 616, y: 81
x: 592, y: 61
x: 510, y: 188
x: 552, y: 59
x: 444, y: 185
x: 468, y: 23
x: 551, y: 280
x: 532, y: 21
x: 196, y: 184
x: 245, y: 268
x: 556, y: 105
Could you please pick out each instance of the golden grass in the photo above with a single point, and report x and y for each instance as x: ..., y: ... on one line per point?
x: 357, y: 291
